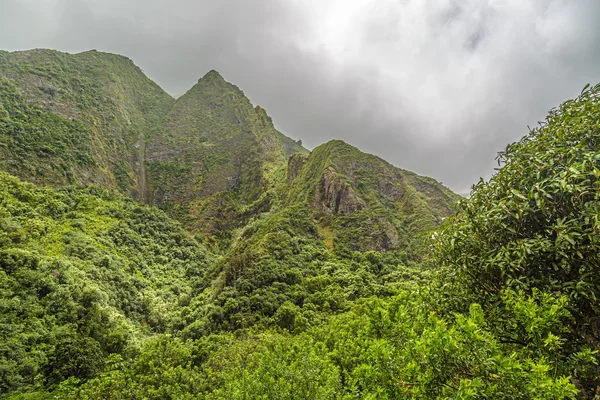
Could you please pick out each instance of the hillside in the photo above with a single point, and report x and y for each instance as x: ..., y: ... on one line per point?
x: 84, y: 274
x: 361, y: 202
x: 160, y: 248
x: 210, y: 159
x: 217, y: 159
x: 106, y: 105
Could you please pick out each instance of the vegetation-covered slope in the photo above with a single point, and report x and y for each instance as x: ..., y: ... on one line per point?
x: 291, y: 146
x: 326, y: 240
x: 363, y: 203
x: 321, y: 284
x: 84, y: 274
x: 41, y: 146
x: 510, y: 314
x: 118, y: 105
x: 217, y: 159
x: 210, y: 159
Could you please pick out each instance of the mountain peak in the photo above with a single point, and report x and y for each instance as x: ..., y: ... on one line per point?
x: 338, y: 147
x: 337, y: 143
x: 212, y: 75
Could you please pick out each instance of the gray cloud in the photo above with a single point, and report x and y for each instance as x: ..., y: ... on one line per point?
x: 435, y: 86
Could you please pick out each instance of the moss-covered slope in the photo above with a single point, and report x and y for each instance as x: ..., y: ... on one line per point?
x: 218, y: 159
x: 291, y: 146
x: 361, y: 202
x: 103, y: 110
x: 41, y: 146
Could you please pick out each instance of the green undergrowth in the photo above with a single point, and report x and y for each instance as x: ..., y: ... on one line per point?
x: 280, y: 274
x: 39, y: 145
x: 84, y: 275
x: 398, y: 348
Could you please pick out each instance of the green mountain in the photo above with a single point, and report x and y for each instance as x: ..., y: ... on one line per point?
x: 160, y: 248
x: 216, y: 160
x: 78, y: 118
x: 209, y: 159
x: 362, y: 203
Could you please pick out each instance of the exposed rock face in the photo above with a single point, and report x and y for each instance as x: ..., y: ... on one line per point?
x: 334, y: 195
x: 389, y: 235
x: 364, y: 203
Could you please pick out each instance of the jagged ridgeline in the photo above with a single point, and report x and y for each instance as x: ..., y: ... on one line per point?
x: 209, y: 159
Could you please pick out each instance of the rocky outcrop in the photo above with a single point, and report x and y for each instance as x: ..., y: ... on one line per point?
x: 361, y: 202
x: 335, y: 196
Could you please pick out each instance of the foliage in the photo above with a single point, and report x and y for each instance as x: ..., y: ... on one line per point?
x: 39, y: 144
x: 217, y: 160
x: 366, y: 203
x: 78, y: 118
x: 319, y: 285
x: 392, y: 349
x: 83, y: 274
x: 534, y: 228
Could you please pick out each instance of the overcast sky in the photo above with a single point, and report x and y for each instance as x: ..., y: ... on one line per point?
x: 433, y: 86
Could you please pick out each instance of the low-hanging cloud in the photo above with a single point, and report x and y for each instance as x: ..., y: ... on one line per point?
x: 435, y: 86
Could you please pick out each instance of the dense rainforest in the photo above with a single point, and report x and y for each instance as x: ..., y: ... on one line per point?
x: 160, y: 248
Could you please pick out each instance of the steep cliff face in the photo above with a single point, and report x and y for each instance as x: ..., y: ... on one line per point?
x: 217, y: 159
x: 295, y: 164
x: 77, y: 106
x: 335, y: 196
x: 365, y: 203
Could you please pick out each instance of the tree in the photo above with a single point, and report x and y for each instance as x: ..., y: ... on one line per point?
x: 75, y: 357
x: 536, y: 224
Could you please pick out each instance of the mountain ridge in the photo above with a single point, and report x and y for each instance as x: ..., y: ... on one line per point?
x: 209, y: 158
x: 164, y: 248
x: 271, y: 212
x: 106, y: 92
